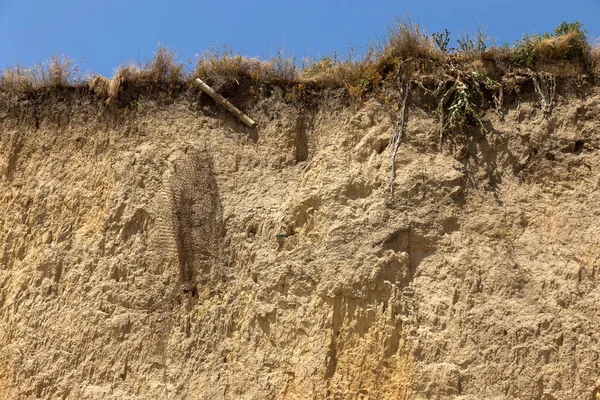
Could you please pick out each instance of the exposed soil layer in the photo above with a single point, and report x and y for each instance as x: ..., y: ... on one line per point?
x: 164, y: 250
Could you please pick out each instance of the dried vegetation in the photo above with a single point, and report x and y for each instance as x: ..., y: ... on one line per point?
x: 56, y: 72
x: 458, y: 78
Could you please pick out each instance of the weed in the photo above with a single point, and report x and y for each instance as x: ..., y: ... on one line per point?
x: 100, y: 86
x: 17, y: 79
x: 523, y: 53
x: 60, y: 71
x: 473, y: 45
x: 314, y: 68
x: 163, y: 68
x: 442, y: 40
x: 404, y: 50
x: 283, y: 67
x: 458, y: 110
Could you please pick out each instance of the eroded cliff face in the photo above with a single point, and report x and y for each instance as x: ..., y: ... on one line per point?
x: 139, y: 257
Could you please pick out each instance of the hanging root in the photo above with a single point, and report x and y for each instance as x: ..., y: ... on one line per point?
x: 545, y: 87
x: 499, y: 100
x: 399, y: 132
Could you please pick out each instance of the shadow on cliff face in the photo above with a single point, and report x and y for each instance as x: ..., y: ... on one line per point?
x: 366, y: 352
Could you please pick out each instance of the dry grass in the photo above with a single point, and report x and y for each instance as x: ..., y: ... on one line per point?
x: 220, y: 67
x: 56, y: 72
x: 405, y: 50
x: 356, y: 75
x: 405, y: 40
x: 567, y: 43
x: 554, y: 48
x: 100, y: 86
x: 163, y: 68
x: 163, y: 72
x: 595, y: 58
x: 559, y: 47
x: 16, y: 79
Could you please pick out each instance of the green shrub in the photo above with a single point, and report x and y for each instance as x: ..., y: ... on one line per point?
x: 567, y: 42
x: 523, y: 53
x: 578, y: 44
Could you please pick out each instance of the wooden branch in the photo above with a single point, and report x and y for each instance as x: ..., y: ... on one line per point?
x: 225, y: 103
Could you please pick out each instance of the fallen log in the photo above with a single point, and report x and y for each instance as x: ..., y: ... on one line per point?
x: 225, y: 103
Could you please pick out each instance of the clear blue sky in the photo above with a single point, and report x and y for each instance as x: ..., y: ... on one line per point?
x: 107, y: 33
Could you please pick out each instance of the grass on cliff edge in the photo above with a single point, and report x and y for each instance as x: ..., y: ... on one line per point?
x: 406, y: 50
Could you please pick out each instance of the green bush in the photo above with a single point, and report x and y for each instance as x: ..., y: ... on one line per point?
x: 567, y: 42
x: 523, y: 53
x: 578, y: 42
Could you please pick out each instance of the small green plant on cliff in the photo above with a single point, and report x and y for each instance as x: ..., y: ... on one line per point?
x: 442, y: 40
x: 458, y: 107
x: 523, y: 53
x: 313, y: 68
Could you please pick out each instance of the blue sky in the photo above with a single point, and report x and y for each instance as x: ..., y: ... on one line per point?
x: 107, y: 33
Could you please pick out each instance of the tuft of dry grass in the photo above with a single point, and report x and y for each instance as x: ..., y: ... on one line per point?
x: 59, y: 71
x: 405, y: 40
x: 406, y: 48
x: 123, y: 76
x: 163, y: 68
x: 16, y: 79
x: 556, y: 48
x: 220, y: 67
x: 568, y: 42
x: 356, y: 75
x: 595, y: 58
x: 99, y: 85
x: 163, y: 71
